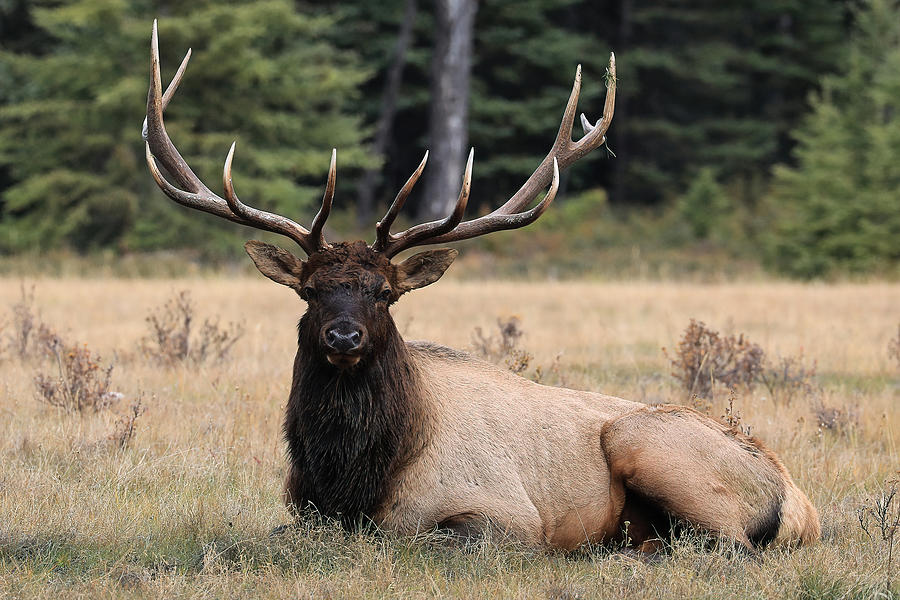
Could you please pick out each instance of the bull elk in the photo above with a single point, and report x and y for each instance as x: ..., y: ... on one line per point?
x: 415, y: 436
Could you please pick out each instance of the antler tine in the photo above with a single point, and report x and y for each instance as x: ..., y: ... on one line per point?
x: 585, y: 124
x: 191, y: 191
x: 160, y: 145
x: 260, y: 218
x: 495, y: 222
x: 318, y: 224
x: 418, y: 234
x: 564, y: 135
x: 383, y: 227
x: 173, y: 87
x: 596, y: 136
x: 563, y: 153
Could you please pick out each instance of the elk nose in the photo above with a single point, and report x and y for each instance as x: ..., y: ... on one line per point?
x: 343, y: 338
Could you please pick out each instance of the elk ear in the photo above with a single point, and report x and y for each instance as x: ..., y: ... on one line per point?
x: 423, y: 268
x: 277, y: 264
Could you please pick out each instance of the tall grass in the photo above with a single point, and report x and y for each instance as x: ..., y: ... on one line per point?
x: 186, y: 506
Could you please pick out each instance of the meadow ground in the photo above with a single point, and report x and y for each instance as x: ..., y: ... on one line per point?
x: 185, y: 510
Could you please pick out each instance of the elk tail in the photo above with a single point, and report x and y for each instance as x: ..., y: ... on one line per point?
x: 799, y: 518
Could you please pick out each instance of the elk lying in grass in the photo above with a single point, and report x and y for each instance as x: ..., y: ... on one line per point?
x: 415, y: 436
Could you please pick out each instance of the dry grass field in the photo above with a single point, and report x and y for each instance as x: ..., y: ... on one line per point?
x: 186, y: 507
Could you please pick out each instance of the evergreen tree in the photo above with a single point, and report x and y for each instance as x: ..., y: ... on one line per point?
x: 261, y: 72
x: 839, y: 207
x: 704, y: 206
x: 714, y: 82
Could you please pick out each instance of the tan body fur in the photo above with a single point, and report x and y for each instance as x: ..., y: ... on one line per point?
x: 549, y: 466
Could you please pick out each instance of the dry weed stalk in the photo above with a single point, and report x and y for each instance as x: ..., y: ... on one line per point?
x: 732, y: 418
x: 880, y: 518
x: 559, y: 376
x: 172, y: 339
x: 124, y: 429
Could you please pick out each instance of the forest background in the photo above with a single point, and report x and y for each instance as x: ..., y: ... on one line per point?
x: 749, y: 137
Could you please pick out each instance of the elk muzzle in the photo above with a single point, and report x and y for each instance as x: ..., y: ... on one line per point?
x: 344, y: 340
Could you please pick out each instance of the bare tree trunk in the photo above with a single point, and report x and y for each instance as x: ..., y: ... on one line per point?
x: 448, y: 121
x: 365, y: 203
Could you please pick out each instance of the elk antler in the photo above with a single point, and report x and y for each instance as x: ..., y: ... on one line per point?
x: 512, y: 214
x: 192, y: 192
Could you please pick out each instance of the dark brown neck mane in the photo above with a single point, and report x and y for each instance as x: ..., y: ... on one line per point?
x: 349, y: 432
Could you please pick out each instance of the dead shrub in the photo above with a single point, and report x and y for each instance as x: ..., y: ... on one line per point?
x: 836, y: 419
x: 518, y: 361
x: 174, y: 339
x: 894, y: 347
x: 28, y: 336
x: 81, y: 383
x: 502, y: 346
x: 497, y: 346
x: 788, y: 378
x: 704, y: 358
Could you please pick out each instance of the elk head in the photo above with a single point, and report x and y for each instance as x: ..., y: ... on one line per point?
x: 349, y: 286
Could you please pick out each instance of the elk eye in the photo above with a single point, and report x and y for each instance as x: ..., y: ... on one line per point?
x: 308, y: 293
x: 384, y: 295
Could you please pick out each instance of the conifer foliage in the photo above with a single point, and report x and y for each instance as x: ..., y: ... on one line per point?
x: 839, y: 207
x: 71, y: 111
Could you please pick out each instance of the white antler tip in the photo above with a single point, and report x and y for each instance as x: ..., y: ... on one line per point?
x: 585, y: 124
x: 229, y: 158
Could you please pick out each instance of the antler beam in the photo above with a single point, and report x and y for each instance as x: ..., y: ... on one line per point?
x: 192, y: 192
x: 512, y: 213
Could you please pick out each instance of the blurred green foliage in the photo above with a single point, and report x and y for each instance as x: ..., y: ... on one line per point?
x: 705, y: 206
x: 71, y: 117
x: 712, y: 95
x: 838, y: 209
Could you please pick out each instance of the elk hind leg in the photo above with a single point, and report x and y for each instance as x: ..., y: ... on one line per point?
x: 675, y: 462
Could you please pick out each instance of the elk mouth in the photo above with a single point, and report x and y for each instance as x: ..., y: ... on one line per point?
x: 343, y: 361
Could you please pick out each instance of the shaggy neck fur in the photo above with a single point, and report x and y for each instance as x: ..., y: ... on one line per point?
x: 350, y: 432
